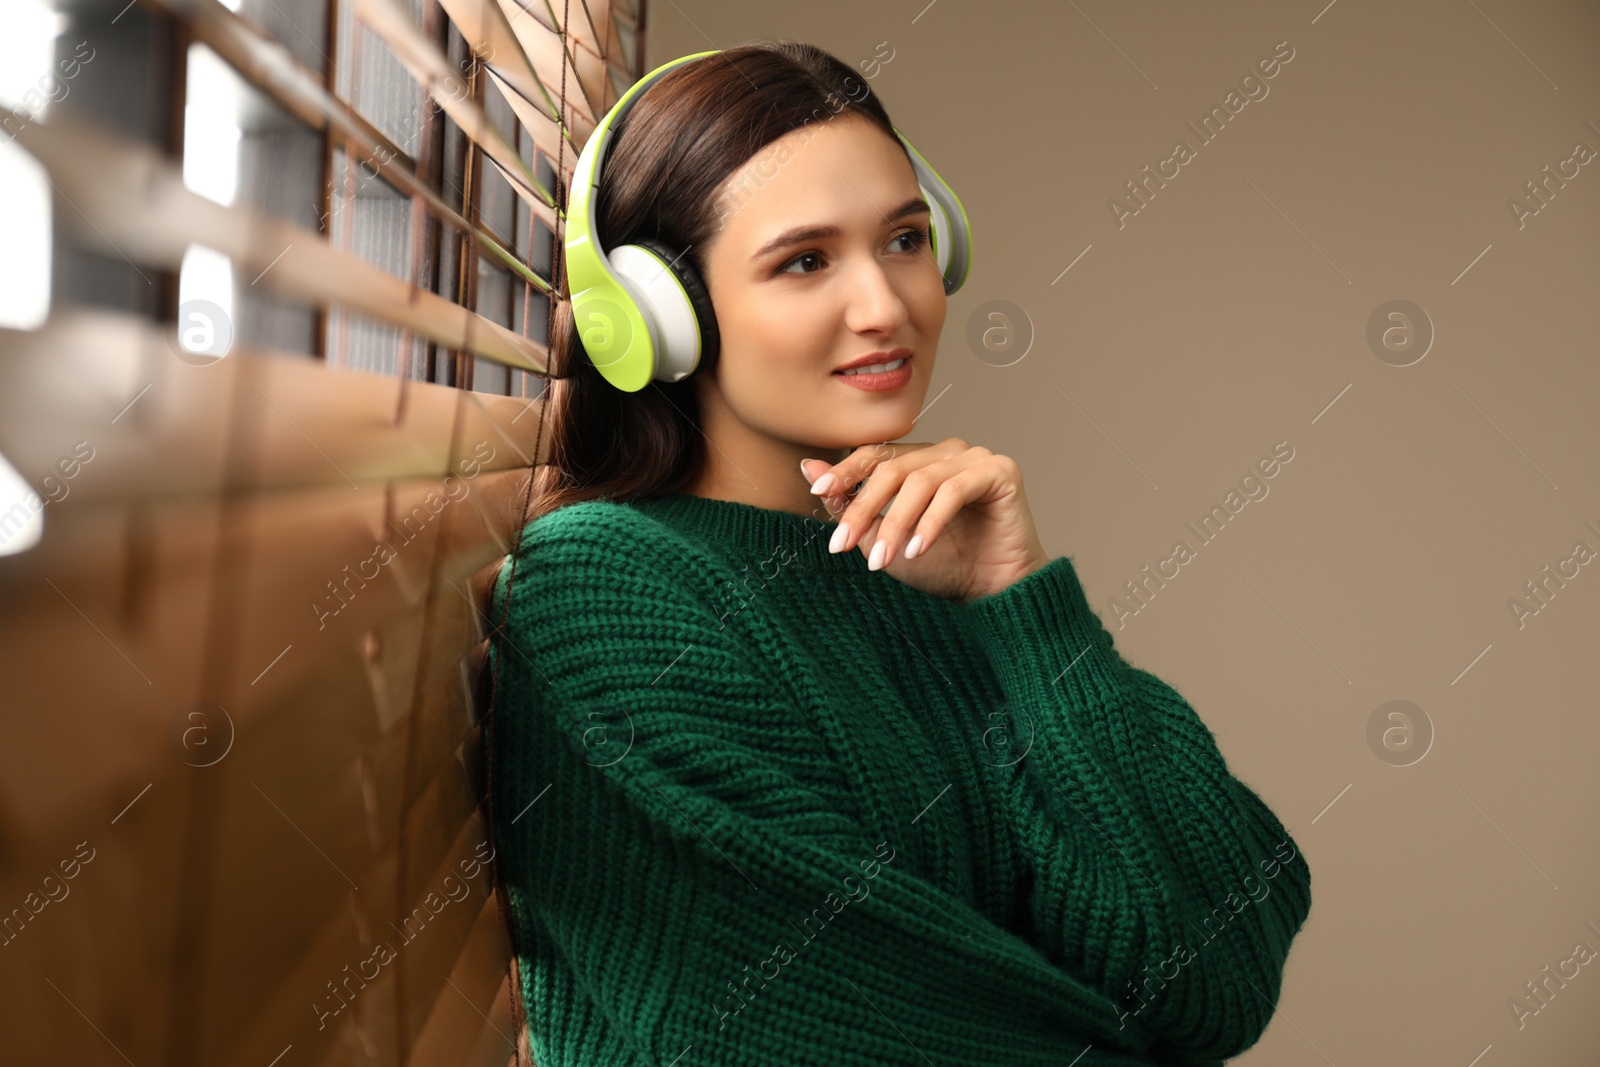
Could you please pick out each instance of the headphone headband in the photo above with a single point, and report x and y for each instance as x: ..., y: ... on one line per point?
x: 642, y: 311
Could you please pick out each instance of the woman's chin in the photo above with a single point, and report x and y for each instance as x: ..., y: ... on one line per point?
x: 868, y: 431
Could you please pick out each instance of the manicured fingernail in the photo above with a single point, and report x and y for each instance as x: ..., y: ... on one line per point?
x: 840, y: 536
x: 805, y: 473
x: 824, y: 483
x: 914, y: 546
x: 875, y: 561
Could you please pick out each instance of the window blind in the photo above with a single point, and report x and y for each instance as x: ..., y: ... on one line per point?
x: 241, y: 766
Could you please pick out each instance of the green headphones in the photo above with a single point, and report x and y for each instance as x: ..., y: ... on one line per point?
x: 642, y: 310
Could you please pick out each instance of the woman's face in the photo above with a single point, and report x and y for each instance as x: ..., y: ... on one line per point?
x: 822, y: 258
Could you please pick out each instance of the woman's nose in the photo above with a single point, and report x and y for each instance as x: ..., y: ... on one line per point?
x: 875, y: 303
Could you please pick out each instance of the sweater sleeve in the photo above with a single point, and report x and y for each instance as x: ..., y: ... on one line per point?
x: 1152, y: 871
x: 670, y: 837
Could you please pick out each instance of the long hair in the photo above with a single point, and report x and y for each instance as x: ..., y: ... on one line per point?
x: 663, y: 180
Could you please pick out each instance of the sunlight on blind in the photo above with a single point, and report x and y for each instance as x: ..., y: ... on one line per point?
x: 28, y: 84
x: 25, y: 237
x: 21, y: 512
x: 211, y: 127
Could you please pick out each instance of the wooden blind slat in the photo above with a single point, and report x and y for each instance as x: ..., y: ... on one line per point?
x: 591, y: 51
x: 275, y: 71
x: 556, y: 60
x: 462, y: 1015
x: 439, y: 78
x: 127, y: 198
x: 154, y: 421
x: 518, y: 47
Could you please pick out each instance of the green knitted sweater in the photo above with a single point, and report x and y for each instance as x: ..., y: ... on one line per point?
x: 757, y: 805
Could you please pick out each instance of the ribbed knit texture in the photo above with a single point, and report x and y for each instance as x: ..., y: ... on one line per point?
x: 757, y: 805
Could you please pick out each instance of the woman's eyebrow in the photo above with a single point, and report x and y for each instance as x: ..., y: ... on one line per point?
x: 915, y: 206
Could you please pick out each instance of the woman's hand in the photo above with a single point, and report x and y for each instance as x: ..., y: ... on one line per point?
x: 959, y: 526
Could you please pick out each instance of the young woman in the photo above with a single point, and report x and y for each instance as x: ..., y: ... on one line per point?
x: 804, y: 751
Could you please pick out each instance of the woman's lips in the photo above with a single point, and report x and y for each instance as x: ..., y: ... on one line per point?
x: 877, y: 383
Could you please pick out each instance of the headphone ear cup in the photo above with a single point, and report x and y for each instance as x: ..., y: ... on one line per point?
x: 940, y: 231
x: 699, y: 301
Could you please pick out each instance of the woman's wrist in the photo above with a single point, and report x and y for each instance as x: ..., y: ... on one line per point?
x: 1004, y: 579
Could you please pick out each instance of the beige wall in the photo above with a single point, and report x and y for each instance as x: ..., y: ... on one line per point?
x: 1230, y: 314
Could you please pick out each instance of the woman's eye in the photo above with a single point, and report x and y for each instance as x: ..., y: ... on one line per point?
x: 918, y: 238
x: 799, y: 259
